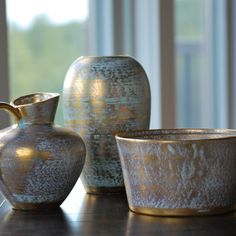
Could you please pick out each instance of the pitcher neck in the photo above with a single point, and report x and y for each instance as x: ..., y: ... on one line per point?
x: 38, y: 108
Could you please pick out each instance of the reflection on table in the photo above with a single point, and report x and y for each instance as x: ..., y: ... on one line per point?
x: 83, y: 214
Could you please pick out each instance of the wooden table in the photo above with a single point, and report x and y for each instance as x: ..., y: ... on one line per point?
x: 83, y: 214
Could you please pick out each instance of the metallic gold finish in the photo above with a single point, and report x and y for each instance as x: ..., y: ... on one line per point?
x: 38, y: 108
x: 13, y: 110
x: 183, y: 212
x: 179, y: 172
x: 39, y: 162
x: 103, y: 96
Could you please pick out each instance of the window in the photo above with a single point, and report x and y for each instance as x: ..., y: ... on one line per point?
x: 198, y: 35
x: 44, y: 38
x: 201, y: 80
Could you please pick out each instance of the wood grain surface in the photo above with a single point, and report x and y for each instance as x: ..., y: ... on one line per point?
x: 83, y: 214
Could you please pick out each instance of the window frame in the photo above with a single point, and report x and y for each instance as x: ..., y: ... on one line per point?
x: 140, y: 38
x: 163, y: 75
x: 4, y: 74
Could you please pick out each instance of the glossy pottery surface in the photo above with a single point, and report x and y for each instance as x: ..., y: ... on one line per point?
x: 39, y: 162
x: 102, y: 96
x: 179, y: 172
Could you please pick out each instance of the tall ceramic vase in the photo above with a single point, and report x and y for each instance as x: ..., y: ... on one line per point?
x: 103, y: 96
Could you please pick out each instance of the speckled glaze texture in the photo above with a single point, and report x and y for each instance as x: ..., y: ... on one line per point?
x: 103, y: 96
x: 179, y: 172
x: 39, y: 162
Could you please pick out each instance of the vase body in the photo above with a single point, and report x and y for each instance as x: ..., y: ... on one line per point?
x: 103, y: 96
x: 39, y: 162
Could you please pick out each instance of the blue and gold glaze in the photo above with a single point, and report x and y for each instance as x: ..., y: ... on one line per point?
x: 179, y: 172
x: 103, y: 96
x: 39, y: 162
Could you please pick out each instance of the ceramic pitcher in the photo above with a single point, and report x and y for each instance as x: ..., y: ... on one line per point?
x: 39, y: 162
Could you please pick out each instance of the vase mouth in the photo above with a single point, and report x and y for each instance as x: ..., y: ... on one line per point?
x: 34, y: 98
x: 107, y: 56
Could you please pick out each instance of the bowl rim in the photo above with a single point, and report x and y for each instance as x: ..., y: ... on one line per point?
x: 136, y: 135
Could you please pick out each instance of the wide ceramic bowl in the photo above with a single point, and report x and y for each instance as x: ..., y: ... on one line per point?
x: 179, y: 171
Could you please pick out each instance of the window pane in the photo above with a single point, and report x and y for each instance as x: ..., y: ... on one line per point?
x: 44, y: 38
x: 200, y: 63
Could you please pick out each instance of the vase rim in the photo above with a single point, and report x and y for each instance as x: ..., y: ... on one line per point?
x: 108, y: 56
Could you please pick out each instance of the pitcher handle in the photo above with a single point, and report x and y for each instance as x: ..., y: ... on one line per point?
x: 13, y: 110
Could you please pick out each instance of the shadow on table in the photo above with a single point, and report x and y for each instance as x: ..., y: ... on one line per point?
x: 94, y: 215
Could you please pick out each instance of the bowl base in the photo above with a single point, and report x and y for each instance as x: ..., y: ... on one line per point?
x: 183, y: 211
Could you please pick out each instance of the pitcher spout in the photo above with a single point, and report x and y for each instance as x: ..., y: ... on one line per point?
x: 37, y: 108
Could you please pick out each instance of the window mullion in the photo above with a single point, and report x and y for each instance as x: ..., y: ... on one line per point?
x: 4, y: 80
x: 167, y: 62
x: 231, y: 53
x: 218, y: 42
x: 101, y: 27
